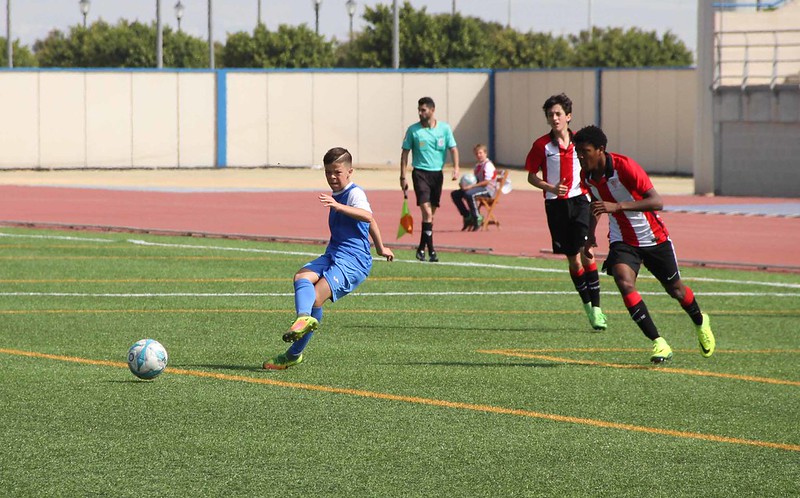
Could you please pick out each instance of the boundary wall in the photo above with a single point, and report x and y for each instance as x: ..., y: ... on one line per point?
x: 200, y: 118
x: 757, y: 139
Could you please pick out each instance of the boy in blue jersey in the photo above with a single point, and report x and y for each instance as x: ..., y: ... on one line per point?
x: 347, y: 260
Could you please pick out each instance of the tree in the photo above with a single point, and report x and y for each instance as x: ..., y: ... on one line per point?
x: 22, y: 56
x: 122, y: 45
x: 433, y: 41
x: 513, y: 49
x: 444, y: 40
x: 289, y: 46
x: 613, y: 47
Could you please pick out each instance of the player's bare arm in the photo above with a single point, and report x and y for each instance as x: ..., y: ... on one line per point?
x: 403, y: 167
x: 454, y: 155
x: 353, y: 212
x: 650, y: 201
x: 377, y: 240
x: 560, y: 190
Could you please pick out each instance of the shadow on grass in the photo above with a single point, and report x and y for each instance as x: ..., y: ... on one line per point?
x: 241, y: 368
x: 458, y: 329
x: 474, y: 364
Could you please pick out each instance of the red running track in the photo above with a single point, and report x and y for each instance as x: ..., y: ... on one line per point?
x: 713, y: 239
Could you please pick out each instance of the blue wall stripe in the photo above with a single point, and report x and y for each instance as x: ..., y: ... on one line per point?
x: 598, y: 98
x: 222, y: 119
x: 491, y: 143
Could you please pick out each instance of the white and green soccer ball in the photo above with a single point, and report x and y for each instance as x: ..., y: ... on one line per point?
x: 147, y: 359
x: 467, y: 180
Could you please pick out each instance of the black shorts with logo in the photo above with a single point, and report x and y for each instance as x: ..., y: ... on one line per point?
x: 427, y: 186
x: 568, y: 220
x: 660, y: 259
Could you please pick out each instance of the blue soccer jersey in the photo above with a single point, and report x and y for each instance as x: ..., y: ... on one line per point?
x: 349, y: 236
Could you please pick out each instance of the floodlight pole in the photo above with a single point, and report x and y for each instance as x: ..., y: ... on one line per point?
x: 317, y: 3
x: 351, y: 11
x: 589, y: 22
x: 9, y: 45
x: 395, y: 35
x: 179, y: 9
x: 210, y: 35
x: 159, y: 37
x: 85, y: 5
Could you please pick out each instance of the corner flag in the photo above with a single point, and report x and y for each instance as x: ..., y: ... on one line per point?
x: 406, y: 221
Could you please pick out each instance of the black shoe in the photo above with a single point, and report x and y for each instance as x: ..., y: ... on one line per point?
x: 468, y: 220
x: 421, y: 254
x: 434, y: 258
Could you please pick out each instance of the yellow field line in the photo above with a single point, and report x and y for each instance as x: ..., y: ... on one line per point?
x: 685, y: 371
x: 429, y: 401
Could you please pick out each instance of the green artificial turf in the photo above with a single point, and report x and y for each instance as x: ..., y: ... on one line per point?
x: 476, y: 376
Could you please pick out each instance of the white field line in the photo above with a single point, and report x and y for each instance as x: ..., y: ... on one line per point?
x: 460, y: 264
x: 54, y: 237
x: 464, y: 264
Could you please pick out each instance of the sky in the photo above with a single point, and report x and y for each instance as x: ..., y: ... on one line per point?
x: 34, y: 19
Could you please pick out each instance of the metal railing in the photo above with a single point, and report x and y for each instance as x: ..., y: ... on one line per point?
x: 759, y: 57
x: 757, y: 5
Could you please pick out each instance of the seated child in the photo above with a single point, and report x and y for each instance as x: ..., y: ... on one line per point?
x: 464, y: 197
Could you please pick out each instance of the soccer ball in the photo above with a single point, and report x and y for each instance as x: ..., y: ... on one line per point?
x: 467, y: 180
x: 147, y: 359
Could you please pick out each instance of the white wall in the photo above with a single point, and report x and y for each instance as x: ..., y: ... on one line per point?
x: 646, y: 113
x: 153, y: 119
x: 293, y: 118
x: 520, y: 119
x: 107, y: 119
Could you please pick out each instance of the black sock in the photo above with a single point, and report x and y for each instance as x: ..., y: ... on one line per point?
x: 579, y: 280
x: 640, y: 315
x: 593, y: 283
x: 427, y: 236
x: 690, y: 306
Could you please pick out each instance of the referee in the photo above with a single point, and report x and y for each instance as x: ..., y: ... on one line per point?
x: 428, y: 141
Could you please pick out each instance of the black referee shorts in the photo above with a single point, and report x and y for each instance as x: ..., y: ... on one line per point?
x: 427, y: 186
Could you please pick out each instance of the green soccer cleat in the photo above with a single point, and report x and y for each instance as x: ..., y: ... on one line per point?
x: 282, y: 362
x: 302, y: 326
x: 661, y: 351
x: 705, y: 337
x: 597, y: 319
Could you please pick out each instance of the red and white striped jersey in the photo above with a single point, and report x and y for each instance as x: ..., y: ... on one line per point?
x: 487, y: 171
x: 624, y: 181
x: 556, y: 164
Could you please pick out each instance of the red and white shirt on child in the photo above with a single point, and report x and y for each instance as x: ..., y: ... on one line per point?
x: 624, y: 181
x: 556, y: 164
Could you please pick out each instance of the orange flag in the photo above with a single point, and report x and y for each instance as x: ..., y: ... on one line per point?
x: 406, y: 221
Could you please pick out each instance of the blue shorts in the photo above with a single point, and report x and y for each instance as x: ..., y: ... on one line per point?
x: 342, y: 277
